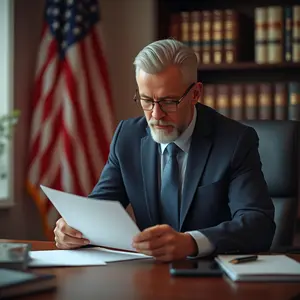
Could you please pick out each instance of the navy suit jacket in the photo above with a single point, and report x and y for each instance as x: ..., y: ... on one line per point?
x: 225, y: 195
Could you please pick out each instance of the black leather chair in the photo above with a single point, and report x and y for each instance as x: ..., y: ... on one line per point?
x: 280, y: 155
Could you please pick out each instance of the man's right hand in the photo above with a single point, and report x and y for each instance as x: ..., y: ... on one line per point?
x: 67, y: 237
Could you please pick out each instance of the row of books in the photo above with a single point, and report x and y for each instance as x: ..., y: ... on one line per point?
x: 277, y: 34
x: 255, y: 101
x: 216, y: 36
x: 212, y: 34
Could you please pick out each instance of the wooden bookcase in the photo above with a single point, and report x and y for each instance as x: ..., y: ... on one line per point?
x: 245, y: 71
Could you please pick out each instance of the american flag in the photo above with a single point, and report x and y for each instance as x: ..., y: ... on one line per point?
x: 72, y: 113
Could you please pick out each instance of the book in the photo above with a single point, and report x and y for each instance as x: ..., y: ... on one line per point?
x: 195, y: 33
x: 265, y: 101
x: 237, y: 103
x: 280, y: 101
x: 265, y: 268
x: 275, y: 34
x: 15, y: 283
x: 217, y: 36
x: 288, y: 33
x: 223, y: 104
x: 294, y: 100
x: 185, y: 27
x: 261, y: 35
x: 251, y: 101
x: 206, y: 37
x: 296, y: 34
x: 14, y: 255
x: 231, y: 36
x: 209, y: 95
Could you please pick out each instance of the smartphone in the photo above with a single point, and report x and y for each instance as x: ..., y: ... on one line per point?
x: 202, y: 268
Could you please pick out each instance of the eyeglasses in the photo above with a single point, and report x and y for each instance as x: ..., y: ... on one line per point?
x: 165, y: 105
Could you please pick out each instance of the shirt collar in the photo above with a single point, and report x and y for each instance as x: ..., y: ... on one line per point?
x: 184, y: 140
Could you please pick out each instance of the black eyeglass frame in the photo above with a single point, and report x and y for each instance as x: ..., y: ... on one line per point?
x: 138, y: 99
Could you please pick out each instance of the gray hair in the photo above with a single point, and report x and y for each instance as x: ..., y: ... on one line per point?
x: 158, y: 55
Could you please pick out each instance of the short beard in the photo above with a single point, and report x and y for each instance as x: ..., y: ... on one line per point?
x: 161, y: 136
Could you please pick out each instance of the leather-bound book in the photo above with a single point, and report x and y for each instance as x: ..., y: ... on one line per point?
x: 280, y: 101
x: 275, y: 34
x: 231, y: 36
x: 185, y: 27
x: 237, y: 102
x: 206, y: 37
x: 195, y: 33
x: 294, y: 100
x: 288, y: 33
x: 251, y: 101
x: 261, y: 35
x: 296, y: 33
x: 223, y: 104
x: 265, y: 101
x: 218, y: 36
x: 209, y: 95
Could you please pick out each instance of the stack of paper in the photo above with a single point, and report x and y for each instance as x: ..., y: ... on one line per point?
x: 265, y: 268
x: 80, y: 257
x: 104, y: 223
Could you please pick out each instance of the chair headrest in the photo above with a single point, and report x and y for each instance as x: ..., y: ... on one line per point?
x: 279, y: 152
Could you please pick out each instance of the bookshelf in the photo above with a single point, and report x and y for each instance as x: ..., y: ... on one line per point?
x: 247, y: 87
x: 284, y: 66
x: 257, y: 47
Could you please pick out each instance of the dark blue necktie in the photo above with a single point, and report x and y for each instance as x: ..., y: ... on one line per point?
x: 170, y: 188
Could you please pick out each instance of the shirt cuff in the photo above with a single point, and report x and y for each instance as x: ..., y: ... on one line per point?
x: 205, y: 247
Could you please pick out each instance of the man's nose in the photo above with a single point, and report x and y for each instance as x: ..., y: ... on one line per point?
x: 157, y: 112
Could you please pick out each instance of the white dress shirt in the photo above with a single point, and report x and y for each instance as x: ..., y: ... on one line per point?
x: 205, y: 247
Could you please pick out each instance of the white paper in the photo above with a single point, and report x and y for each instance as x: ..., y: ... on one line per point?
x: 113, y: 255
x: 56, y: 258
x: 104, y: 223
x: 80, y: 257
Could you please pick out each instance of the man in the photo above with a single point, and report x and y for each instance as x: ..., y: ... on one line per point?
x: 192, y: 176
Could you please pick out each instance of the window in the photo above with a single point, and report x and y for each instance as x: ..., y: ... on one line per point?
x: 6, y: 95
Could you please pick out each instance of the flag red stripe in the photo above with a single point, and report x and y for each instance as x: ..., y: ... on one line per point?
x: 50, y: 100
x: 34, y: 151
x: 50, y: 56
x: 48, y: 106
x: 69, y: 152
x: 81, y: 129
x: 51, y: 146
x: 100, y: 137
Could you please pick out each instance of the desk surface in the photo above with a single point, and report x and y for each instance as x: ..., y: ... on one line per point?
x: 151, y: 280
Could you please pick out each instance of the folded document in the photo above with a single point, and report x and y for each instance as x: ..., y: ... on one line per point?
x: 265, y: 268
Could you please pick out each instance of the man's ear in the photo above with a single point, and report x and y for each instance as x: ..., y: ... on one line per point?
x: 197, y: 93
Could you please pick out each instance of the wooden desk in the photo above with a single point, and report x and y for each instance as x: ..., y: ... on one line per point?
x: 151, y: 280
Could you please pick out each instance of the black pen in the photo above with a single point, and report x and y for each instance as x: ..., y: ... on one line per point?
x: 243, y: 259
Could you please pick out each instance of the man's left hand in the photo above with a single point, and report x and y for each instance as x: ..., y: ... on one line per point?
x: 164, y: 243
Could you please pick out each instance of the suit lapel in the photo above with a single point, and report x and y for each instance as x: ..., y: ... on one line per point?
x: 149, y: 171
x: 199, y: 151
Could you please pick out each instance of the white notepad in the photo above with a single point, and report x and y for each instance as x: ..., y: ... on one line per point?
x: 265, y: 268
